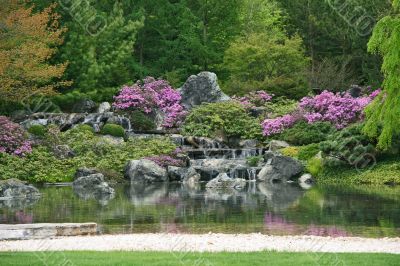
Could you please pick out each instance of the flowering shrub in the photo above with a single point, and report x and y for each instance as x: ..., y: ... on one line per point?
x: 254, y: 99
x: 149, y: 96
x: 339, y: 110
x: 169, y: 160
x: 13, y: 138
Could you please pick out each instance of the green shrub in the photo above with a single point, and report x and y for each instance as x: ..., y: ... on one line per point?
x: 349, y: 146
x: 253, y: 160
x: 140, y: 121
x: 228, y: 119
x: 303, y: 133
x: 309, y: 151
x: 281, y: 106
x: 113, y: 130
x: 84, y: 127
x: 291, y: 151
x: 314, y: 166
x: 38, y: 130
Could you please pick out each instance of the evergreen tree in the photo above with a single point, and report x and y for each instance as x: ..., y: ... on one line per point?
x: 383, y: 115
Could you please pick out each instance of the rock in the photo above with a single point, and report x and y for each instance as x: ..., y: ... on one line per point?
x: 16, y: 189
x: 93, y: 186
x: 306, y: 181
x: 183, y: 174
x: 145, y: 171
x: 84, y: 106
x: 104, y: 108
x: 279, y: 168
x: 85, y: 172
x: 276, y: 145
x: 249, y: 143
x: 258, y: 111
x: 201, y: 88
x: 355, y: 91
x: 223, y: 181
x: 63, y: 152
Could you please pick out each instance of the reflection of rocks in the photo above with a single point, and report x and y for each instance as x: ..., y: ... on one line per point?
x: 201, y: 88
x: 93, y: 186
x: 223, y: 181
x: 279, y: 168
x: 280, y: 196
x: 145, y: 171
x: 306, y: 181
x: 16, y: 194
x: 142, y: 193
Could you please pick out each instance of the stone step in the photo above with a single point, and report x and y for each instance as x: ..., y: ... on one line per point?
x: 198, y: 154
x: 45, y: 230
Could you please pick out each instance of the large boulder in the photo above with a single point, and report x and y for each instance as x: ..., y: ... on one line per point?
x: 202, y: 88
x: 84, y: 106
x: 93, y: 186
x: 104, y: 108
x: 182, y: 174
x: 223, y: 181
x: 279, y: 168
x: 14, y: 188
x: 145, y: 171
x: 276, y: 145
x: 306, y: 181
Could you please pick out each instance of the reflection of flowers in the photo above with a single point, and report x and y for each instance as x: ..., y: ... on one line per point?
x: 20, y: 217
x: 279, y: 224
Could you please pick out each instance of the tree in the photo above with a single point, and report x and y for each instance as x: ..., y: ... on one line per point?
x: 263, y: 57
x: 102, y: 58
x: 384, y: 113
x: 27, y: 43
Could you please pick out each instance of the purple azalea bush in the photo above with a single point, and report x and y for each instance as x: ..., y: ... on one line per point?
x: 254, y: 99
x: 151, y: 95
x: 168, y: 159
x: 13, y: 138
x: 340, y: 110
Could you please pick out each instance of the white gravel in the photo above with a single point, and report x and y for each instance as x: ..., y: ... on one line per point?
x: 206, y: 242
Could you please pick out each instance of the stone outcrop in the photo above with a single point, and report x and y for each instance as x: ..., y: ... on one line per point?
x: 279, y: 168
x: 14, y: 188
x: 84, y: 106
x: 182, y: 174
x: 223, y: 181
x: 201, y: 88
x: 145, y: 171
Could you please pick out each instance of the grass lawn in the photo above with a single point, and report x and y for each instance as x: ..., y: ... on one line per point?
x: 195, y: 259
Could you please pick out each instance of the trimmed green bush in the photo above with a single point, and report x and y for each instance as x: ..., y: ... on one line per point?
x: 38, y: 130
x: 113, y: 130
x: 84, y: 127
x: 315, y: 166
x: 303, y: 133
x: 140, y: 121
x: 309, y: 151
x: 224, y: 119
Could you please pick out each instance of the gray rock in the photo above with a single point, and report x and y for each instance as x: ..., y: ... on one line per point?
x: 85, y: 172
x: 93, y: 186
x: 306, y: 181
x: 182, y: 174
x: 276, y: 145
x: 223, y: 181
x: 63, y: 152
x: 16, y: 189
x: 202, y: 88
x: 249, y: 143
x: 104, y: 108
x: 145, y: 171
x: 84, y: 106
x: 279, y: 168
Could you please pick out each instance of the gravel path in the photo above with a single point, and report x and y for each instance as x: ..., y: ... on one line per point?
x: 207, y: 242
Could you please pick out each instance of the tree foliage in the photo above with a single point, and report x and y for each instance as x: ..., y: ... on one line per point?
x: 27, y: 43
x: 383, y: 114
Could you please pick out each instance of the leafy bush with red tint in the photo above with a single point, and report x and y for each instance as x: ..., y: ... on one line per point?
x: 13, y: 138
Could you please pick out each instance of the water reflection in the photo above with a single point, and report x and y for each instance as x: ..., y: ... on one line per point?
x: 282, y: 209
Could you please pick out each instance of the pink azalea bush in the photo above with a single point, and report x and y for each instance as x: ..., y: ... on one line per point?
x: 149, y: 96
x: 254, y: 99
x: 13, y: 138
x: 339, y: 109
x: 169, y: 159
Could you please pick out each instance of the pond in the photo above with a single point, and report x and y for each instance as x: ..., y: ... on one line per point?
x: 279, y: 209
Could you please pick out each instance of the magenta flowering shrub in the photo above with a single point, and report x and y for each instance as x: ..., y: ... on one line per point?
x: 152, y: 95
x: 169, y: 159
x: 339, y: 109
x: 254, y: 99
x: 13, y: 138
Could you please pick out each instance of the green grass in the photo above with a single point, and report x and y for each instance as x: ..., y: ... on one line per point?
x: 181, y: 258
x: 386, y: 171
